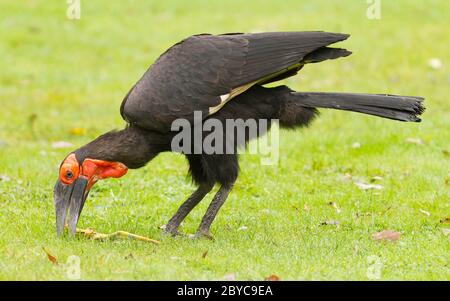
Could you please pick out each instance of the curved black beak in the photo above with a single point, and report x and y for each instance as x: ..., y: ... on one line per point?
x: 69, y: 198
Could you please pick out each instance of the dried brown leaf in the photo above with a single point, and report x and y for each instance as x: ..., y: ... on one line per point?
x: 386, y: 235
x: 50, y: 257
x: 445, y: 220
x: 205, y: 254
x: 272, y: 277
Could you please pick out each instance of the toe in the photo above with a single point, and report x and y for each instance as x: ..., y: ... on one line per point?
x: 169, y: 230
x: 204, y: 234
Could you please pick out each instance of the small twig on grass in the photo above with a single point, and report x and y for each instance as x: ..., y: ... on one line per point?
x: 90, y: 233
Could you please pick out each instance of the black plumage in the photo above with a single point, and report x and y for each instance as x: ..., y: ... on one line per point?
x: 222, y: 76
x: 193, y: 74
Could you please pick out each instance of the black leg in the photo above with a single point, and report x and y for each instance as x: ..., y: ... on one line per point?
x: 211, y: 212
x: 186, y: 207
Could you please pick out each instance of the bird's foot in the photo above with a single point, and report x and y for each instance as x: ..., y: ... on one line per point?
x: 169, y: 230
x: 203, y: 234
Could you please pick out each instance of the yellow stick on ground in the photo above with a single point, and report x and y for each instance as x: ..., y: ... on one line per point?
x: 89, y: 232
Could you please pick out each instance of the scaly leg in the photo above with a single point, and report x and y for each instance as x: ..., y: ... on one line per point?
x: 186, y: 207
x: 211, y: 212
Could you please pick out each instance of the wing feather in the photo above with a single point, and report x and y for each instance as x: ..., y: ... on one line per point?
x: 203, y: 72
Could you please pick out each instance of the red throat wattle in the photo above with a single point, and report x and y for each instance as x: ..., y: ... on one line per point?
x: 92, y: 169
x: 96, y: 170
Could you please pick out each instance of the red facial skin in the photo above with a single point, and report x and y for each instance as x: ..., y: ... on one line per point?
x: 93, y: 170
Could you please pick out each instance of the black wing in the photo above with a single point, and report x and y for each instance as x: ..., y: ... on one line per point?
x: 203, y: 72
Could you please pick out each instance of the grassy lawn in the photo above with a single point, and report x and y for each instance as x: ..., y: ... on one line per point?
x: 64, y: 80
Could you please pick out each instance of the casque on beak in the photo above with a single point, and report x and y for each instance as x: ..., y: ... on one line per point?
x: 69, y: 198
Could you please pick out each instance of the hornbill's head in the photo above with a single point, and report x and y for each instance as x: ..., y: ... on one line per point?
x: 75, y: 179
x: 108, y: 156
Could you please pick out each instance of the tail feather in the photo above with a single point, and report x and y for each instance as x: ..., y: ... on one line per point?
x: 402, y: 108
x: 325, y: 53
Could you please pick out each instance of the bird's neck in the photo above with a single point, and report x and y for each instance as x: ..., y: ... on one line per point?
x: 131, y: 146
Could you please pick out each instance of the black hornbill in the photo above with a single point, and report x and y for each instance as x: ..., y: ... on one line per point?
x: 203, y: 73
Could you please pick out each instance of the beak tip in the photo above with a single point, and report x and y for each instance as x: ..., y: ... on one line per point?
x: 69, y: 202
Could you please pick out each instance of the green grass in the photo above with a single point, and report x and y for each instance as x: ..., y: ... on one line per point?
x: 57, y: 74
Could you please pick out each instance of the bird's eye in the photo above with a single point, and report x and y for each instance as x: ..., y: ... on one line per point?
x: 68, y: 175
x: 69, y: 170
